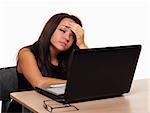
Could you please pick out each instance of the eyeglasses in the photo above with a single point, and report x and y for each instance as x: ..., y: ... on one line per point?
x: 50, y: 108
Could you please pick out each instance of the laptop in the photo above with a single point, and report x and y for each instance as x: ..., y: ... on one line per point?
x: 96, y: 73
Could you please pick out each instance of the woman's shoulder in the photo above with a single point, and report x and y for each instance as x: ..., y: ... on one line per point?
x: 24, y: 52
x: 24, y: 55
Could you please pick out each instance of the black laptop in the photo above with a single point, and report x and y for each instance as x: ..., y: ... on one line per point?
x: 96, y: 73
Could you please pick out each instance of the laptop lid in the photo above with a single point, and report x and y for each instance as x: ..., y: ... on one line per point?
x: 100, y: 72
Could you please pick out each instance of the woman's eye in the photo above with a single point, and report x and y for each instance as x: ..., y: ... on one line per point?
x: 62, y: 30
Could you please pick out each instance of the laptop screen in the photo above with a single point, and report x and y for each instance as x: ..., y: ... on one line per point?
x: 101, y: 72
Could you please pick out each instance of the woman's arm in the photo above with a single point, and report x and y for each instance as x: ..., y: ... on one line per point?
x: 27, y: 65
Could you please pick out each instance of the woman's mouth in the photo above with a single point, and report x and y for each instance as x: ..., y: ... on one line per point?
x: 63, y: 44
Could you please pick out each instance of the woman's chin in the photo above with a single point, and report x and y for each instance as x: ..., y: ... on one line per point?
x: 61, y: 49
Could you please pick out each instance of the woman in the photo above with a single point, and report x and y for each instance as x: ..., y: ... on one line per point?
x: 44, y: 63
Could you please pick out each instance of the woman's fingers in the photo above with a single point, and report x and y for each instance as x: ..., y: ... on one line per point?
x: 79, y: 32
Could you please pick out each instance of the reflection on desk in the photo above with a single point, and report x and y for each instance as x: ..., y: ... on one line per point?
x: 136, y: 101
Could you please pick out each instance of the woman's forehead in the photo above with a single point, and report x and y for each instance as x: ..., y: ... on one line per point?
x: 65, y: 21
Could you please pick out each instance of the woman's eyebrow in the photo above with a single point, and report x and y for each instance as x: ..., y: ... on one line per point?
x: 68, y: 27
x: 65, y: 26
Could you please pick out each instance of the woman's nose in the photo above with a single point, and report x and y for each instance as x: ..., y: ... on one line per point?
x: 67, y: 37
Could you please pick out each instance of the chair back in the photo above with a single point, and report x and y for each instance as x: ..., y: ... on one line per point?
x: 8, y: 84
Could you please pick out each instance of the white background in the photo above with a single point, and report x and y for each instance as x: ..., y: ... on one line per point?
x: 0, y: 106
x: 106, y: 23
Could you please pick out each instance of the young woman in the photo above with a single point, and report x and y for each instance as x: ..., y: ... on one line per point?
x: 44, y: 62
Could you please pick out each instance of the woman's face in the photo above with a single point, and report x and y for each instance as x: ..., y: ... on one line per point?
x: 62, y: 38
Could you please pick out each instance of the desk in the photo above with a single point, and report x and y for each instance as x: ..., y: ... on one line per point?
x: 137, y: 101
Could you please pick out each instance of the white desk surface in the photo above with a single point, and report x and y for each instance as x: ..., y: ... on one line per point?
x: 137, y: 101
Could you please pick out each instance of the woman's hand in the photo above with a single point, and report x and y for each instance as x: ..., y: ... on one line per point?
x: 79, y: 32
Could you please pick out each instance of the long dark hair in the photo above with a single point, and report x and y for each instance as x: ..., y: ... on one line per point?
x: 41, y: 50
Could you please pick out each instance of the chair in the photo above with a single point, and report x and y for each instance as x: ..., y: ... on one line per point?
x: 8, y: 84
